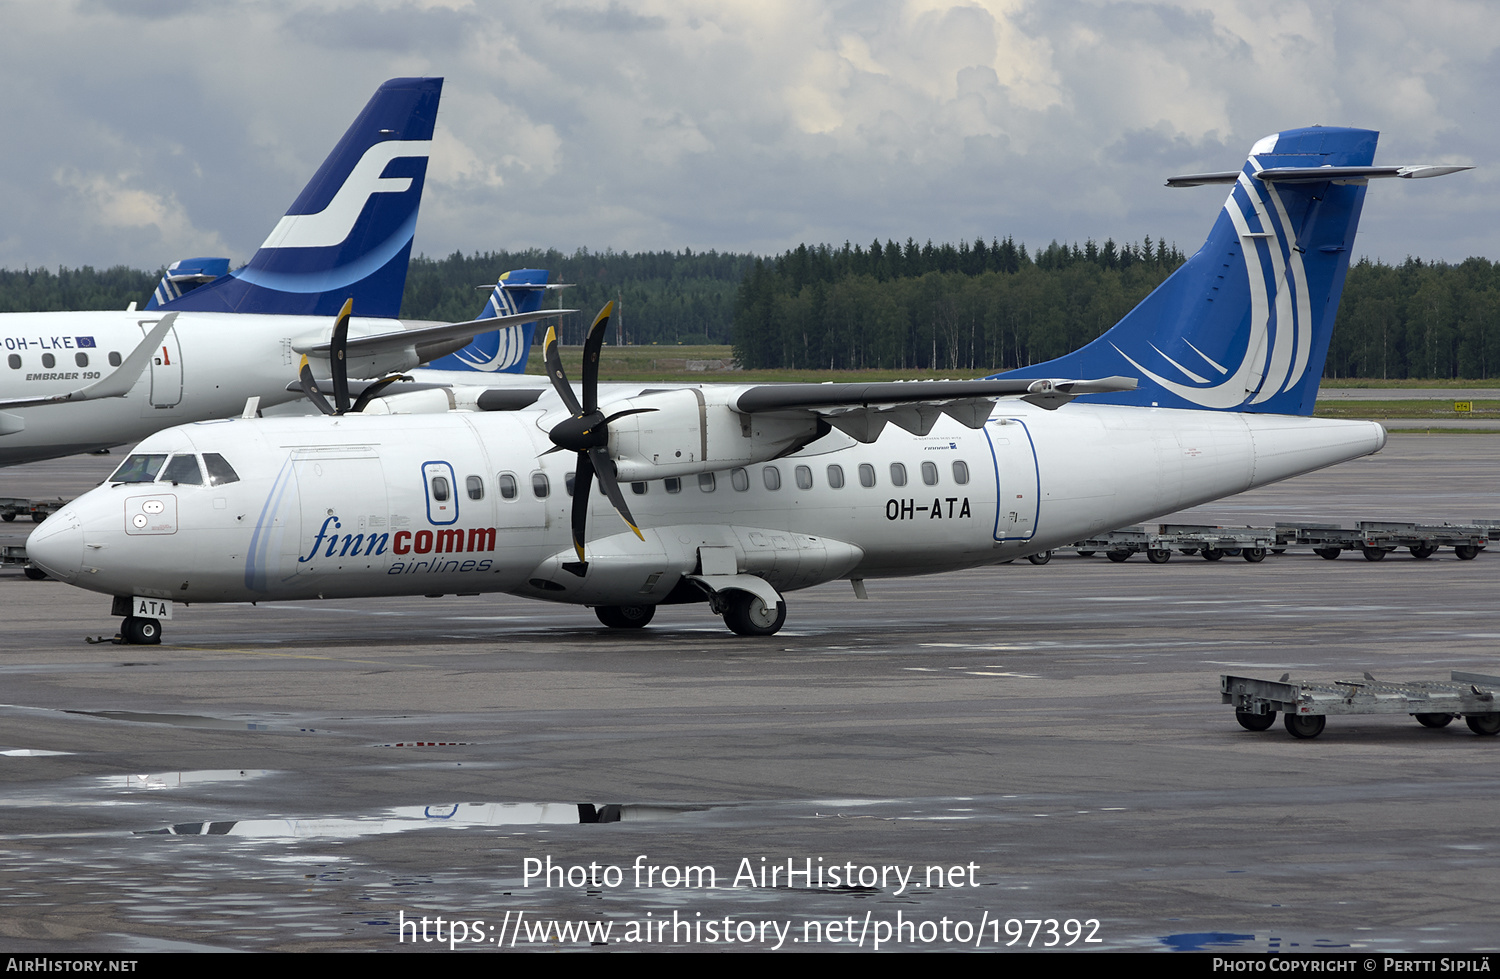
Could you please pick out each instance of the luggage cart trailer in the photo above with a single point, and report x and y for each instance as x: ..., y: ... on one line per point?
x: 1306, y: 705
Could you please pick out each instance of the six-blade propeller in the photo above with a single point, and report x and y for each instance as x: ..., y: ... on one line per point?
x: 340, y: 369
x: 587, y: 433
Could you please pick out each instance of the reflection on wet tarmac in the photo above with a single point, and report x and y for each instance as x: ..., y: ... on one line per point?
x: 403, y: 818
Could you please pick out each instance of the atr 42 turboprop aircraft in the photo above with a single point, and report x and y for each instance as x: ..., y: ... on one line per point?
x: 78, y: 381
x: 740, y: 493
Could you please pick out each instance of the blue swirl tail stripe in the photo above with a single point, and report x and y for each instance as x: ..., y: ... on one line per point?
x: 503, y: 351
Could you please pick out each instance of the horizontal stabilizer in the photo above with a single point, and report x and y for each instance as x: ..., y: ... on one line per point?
x: 1313, y: 175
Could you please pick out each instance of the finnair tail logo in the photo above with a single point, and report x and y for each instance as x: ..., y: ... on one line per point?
x: 1280, y: 343
x: 331, y: 226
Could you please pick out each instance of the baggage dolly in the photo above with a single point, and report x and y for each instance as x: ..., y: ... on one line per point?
x: 1305, y: 706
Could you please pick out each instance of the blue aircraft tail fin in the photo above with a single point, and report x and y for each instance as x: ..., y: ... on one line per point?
x: 349, y: 233
x: 504, y: 350
x: 1244, y: 324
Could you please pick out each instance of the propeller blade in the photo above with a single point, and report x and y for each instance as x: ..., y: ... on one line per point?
x: 336, y: 359
x: 310, y: 388
x: 583, y: 481
x: 373, y: 391
x: 605, y: 467
x: 591, y: 346
x: 555, y: 372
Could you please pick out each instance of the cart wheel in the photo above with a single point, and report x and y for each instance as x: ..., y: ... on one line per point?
x: 1085, y: 553
x: 1212, y: 554
x: 1255, y: 722
x: 1117, y: 556
x: 1041, y: 558
x: 1254, y: 555
x: 1467, y: 552
x: 1434, y: 720
x: 1278, y: 550
x: 1374, y: 553
x: 1327, y: 553
x: 1158, y: 555
x: 1422, y: 551
x: 1485, y: 724
x: 1304, y: 725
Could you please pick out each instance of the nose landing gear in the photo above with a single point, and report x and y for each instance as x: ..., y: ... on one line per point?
x: 139, y: 631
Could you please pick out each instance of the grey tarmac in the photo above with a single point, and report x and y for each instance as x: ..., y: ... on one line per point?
x: 1051, y: 735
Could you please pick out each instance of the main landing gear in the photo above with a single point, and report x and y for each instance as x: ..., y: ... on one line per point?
x: 748, y: 615
x: 625, y: 616
x: 744, y: 613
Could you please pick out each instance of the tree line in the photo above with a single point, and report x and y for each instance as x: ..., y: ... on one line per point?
x: 990, y: 308
x: 973, y: 308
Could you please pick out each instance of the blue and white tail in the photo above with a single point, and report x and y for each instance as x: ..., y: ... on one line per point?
x: 1244, y: 324
x: 505, y: 350
x: 349, y: 233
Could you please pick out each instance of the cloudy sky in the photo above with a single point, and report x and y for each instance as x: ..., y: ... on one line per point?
x: 140, y: 131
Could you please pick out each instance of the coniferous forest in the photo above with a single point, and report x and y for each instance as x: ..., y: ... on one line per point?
x: 969, y: 308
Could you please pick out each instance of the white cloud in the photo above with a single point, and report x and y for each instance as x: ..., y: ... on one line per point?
x: 730, y: 125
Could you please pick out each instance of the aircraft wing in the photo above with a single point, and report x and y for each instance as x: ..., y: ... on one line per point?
x: 120, y: 380
x: 446, y: 333
x: 862, y: 410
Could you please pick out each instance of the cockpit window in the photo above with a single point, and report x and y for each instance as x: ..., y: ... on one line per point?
x: 219, y: 469
x: 139, y: 467
x: 183, y: 469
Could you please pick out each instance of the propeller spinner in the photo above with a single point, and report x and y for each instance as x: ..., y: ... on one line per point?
x: 587, y: 433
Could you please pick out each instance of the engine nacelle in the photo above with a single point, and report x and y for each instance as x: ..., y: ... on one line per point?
x: 692, y: 431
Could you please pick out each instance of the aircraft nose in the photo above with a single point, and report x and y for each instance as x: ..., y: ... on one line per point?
x: 57, y: 545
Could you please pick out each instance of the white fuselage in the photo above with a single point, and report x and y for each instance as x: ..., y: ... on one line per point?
x: 345, y: 506
x: 209, y: 364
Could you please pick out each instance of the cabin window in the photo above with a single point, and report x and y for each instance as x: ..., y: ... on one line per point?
x: 81, y: 359
x: 836, y: 477
x: 638, y: 488
x: 740, y: 479
x: 540, y: 488
x: 475, y: 487
x: 898, y: 474
x: 673, y: 484
x: 929, y: 473
x: 49, y: 361
x: 114, y: 358
x: 569, y: 481
x: 219, y: 469
x: 183, y: 468
x: 706, y: 482
x: 961, y: 472
x: 15, y: 361
x: 772, y: 476
x: 507, y: 483
x: 139, y: 467
x: 440, y: 489
x: 804, y: 477
x: 866, y: 474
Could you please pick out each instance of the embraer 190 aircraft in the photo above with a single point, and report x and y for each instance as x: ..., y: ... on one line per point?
x: 78, y: 381
x: 733, y: 495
